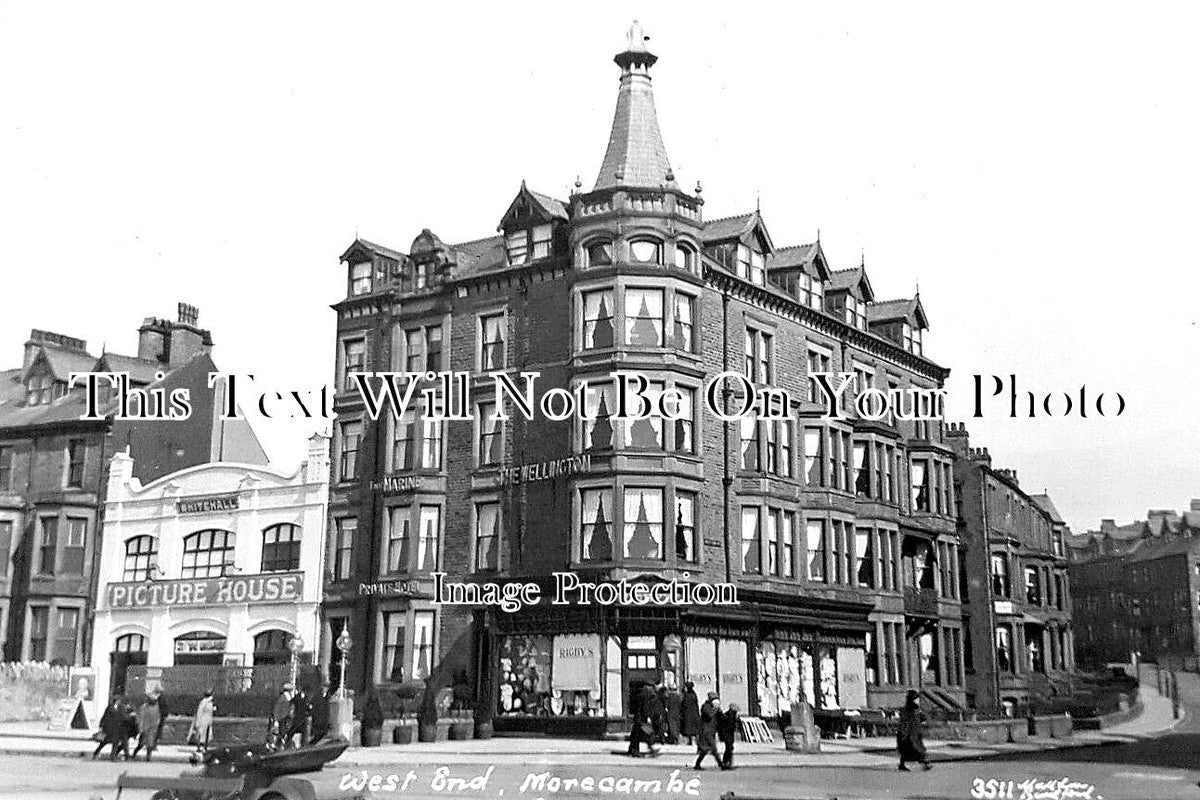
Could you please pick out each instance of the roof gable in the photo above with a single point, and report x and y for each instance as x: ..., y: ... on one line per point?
x: 531, y: 208
x: 909, y: 310
x: 361, y: 247
x: 746, y: 228
x: 851, y: 280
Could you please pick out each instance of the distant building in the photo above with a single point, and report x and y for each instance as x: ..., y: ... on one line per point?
x: 1016, y: 593
x: 1137, y: 588
x: 53, y: 471
x: 217, y: 564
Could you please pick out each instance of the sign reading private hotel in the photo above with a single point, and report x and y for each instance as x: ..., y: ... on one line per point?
x: 282, y: 587
x: 205, y: 505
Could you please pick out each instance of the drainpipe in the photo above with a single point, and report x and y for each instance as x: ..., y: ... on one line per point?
x: 991, y: 601
x: 727, y: 480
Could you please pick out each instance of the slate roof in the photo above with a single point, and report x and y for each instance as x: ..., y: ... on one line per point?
x: 480, y: 256
x: 63, y: 362
x: 728, y: 227
x: 555, y: 208
x: 796, y: 255
x: 636, y: 155
x: 140, y: 370
x: 373, y: 248
x: 841, y: 280
x: 1043, y: 502
x: 888, y: 310
x: 1152, y: 549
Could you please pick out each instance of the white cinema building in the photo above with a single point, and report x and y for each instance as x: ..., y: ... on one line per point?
x: 218, y: 564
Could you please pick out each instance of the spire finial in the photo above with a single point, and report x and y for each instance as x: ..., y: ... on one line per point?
x: 757, y: 200
x: 862, y: 258
x: 818, y: 235
x: 918, y: 287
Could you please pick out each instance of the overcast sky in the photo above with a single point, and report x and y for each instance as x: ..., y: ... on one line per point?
x: 1035, y: 170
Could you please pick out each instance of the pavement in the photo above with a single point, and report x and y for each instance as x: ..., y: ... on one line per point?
x: 1156, y: 719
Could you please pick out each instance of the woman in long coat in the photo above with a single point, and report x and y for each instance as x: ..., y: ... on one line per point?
x: 202, y: 724
x: 689, y: 722
x: 706, y: 740
x: 910, y: 734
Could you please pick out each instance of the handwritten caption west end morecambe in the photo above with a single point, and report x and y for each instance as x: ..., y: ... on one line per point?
x: 451, y: 396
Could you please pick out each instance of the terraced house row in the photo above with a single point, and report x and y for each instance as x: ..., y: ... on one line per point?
x: 841, y: 535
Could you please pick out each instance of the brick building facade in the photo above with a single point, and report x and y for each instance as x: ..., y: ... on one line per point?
x: 1017, y: 608
x: 53, y: 471
x: 838, y: 533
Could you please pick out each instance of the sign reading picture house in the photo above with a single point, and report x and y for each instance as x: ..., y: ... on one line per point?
x: 280, y: 587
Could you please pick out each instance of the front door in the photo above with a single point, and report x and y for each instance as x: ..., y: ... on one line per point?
x: 641, y: 664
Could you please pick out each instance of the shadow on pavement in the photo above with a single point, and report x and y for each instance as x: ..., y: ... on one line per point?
x: 1172, y: 751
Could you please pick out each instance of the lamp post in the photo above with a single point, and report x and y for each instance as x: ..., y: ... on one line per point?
x: 344, y: 643
x: 296, y: 645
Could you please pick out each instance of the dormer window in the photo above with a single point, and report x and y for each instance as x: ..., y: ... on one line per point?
x: 685, y: 258
x: 529, y: 244
x: 856, y: 312
x: 912, y: 339
x: 599, y: 253
x: 751, y: 266
x: 421, y: 275
x: 646, y: 251
x: 812, y: 291
x: 360, y: 278
x: 42, y: 390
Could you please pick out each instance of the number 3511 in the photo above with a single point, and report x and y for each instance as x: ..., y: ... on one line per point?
x: 992, y: 790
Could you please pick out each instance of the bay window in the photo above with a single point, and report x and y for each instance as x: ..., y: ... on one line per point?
x: 429, y: 538
x: 751, y: 544
x: 646, y: 251
x: 643, y: 533
x: 596, y: 519
x: 685, y: 526
x: 487, y: 536
x: 644, y: 317
x: 598, y: 319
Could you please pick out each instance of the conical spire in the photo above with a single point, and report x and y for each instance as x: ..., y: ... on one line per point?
x: 636, y: 155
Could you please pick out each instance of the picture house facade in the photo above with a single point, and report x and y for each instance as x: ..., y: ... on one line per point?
x: 218, y: 565
x: 839, y: 534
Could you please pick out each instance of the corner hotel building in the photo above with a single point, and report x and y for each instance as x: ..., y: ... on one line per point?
x: 839, y: 534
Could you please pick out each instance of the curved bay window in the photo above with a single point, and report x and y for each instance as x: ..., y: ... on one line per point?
x: 646, y: 251
x: 644, y: 317
x: 272, y: 647
x: 281, y: 548
x: 141, y: 558
x: 207, y: 554
x: 685, y: 258
x: 599, y: 253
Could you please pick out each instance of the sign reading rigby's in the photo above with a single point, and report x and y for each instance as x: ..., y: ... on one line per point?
x: 279, y: 587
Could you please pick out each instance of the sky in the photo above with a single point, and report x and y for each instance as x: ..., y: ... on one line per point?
x: 1032, y: 167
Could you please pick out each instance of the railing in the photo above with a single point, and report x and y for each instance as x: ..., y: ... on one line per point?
x: 194, y: 679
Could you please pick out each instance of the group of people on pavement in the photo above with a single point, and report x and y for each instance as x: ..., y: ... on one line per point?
x: 297, y: 720
x: 121, y: 723
x: 663, y: 715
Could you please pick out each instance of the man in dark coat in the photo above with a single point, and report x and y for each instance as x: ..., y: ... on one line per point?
x: 689, y: 721
x: 111, y: 727
x: 656, y: 713
x: 320, y: 715
x: 727, y: 728
x: 639, y: 695
x: 672, y: 707
x: 706, y: 739
x: 301, y: 716
x: 910, y: 733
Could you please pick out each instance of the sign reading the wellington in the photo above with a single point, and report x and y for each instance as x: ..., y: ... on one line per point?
x: 281, y: 587
x: 545, y: 470
x: 204, y: 505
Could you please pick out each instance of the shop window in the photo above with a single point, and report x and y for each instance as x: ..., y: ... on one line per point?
x: 430, y: 534
x: 48, y: 545
x: 75, y: 546
x: 281, y: 548
x: 76, y: 457
x: 422, y: 660
x: 644, y: 317
x: 489, y: 428
x: 272, y: 647
x: 491, y: 342
x: 598, y: 320
x: 685, y: 526
x: 599, y: 253
x: 684, y: 321
x: 595, y: 534
x: 643, y: 523
x: 487, y: 536
x: 207, y: 554
x: 646, y: 251
x: 141, y: 557
x: 524, y: 679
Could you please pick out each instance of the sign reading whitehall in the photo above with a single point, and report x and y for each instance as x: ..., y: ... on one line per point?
x: 204, y: 505
x: 284, y: 587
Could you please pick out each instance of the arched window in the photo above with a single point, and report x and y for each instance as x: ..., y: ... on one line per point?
x: 272, y: 647
x: 207, y: 554
x: 141, y: 557
x: 646, y: 251
x: 685, y: 257
x: 599, y: 253
x: 281, y: 548
x: 200, y: 648
x: 130, y: 643
x: 128, y: 651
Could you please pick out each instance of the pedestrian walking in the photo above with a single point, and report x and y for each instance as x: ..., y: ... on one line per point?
x: 672, y: 707
x: 639, y: 709
x: 281, y: 716
x: 727, y: 729
x: 706, y: 737
x: 301, y: 717
x: 657, y: 715
x: 910, y: 734
x: 689, y: 713
x: 320, y: 714
x: 200, y: 733
x: 111, y: 727
x: 149, y: 726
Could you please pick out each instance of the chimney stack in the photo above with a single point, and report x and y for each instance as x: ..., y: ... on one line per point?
x: 173, y: 344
